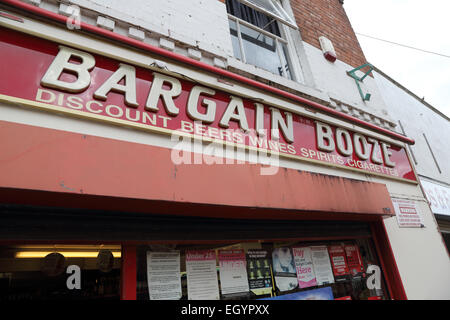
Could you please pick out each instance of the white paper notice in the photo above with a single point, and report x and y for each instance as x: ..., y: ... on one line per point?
x: 233, y: 271
x: 322, y: 265
x: 407, y: 213
x: 201, y: 271
x: 163, y: 274
x: 305, y: 269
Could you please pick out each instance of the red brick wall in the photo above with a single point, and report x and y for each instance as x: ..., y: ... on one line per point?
x: 327, y: 18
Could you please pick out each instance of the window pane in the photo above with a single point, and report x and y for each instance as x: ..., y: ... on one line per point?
x: 269, y: 269
x: 235, y: 40
x: 272, y: 8
x: 252, y: 16
x: 260, y: 50
x: 59, y: 272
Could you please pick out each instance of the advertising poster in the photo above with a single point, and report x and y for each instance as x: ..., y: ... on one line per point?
x: 321, y: 264
x: 233, y: 271
x: 325, y: 293
x: 259, y: 271
x: 284, y: 269
x: 354, y: 261
x: 202, y: 282
x: 305, y: 270
x: 338, y: 261
x: 406, y: 213
x: 163, y: 275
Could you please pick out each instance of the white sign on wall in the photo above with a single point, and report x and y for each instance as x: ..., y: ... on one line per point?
x: 407, y: 213
x: 439, y: 197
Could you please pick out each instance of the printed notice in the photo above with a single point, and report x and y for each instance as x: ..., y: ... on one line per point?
x: 338, y: 261
x: 407, y: 213
x: 259, y: 271
x: 163, y: 274
x: 304, y: 267
x: 202, y: 282
x: 322, y: 266
x: 233, y: 271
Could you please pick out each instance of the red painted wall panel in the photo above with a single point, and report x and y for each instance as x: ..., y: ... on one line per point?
x: 43, y: 159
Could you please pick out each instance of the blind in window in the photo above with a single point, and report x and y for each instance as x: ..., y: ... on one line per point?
x: 272, y: 8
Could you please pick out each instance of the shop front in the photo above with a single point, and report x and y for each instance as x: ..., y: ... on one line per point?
x: 129, y: 174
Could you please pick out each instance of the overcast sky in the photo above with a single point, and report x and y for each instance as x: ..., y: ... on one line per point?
x: 416, y: 23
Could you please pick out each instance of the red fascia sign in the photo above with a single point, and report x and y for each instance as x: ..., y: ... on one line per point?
x: 42, y: 74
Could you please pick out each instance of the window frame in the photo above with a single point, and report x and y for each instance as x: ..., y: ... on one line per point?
x: 278, y: 43
x: 290, y: 58
x: 278, y: 16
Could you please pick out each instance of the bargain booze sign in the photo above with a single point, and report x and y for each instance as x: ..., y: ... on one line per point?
x: 42, y: 74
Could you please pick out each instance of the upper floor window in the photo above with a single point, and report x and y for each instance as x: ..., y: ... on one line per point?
x: 257, y: 37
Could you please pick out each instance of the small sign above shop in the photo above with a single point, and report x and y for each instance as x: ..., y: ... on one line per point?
x: 407, y: 213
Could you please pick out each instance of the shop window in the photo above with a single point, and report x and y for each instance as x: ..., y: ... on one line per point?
x: 58, y: 272
x: 288, y: 270
x: 257, y: 36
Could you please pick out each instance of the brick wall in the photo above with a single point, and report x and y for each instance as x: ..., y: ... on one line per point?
x: 327, y: 18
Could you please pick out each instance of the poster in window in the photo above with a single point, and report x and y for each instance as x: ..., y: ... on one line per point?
x: 163, y: 275
x: 321, y: 264
x: 259, y: 271
x: 284, y: 269
x: 354, y: 261
x: 303, y: 264
x: 233, y: 272
x: 338, y: 261
x: 325, y: 293
x: 202, y: 282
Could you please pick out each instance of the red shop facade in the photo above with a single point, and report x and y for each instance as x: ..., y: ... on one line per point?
x: 70, y: 197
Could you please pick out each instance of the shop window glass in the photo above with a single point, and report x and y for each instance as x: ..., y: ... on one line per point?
x: 260, y: 270
x: 257, y: 39
x: 58, y: 272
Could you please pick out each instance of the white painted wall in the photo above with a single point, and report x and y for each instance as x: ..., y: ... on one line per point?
x: 417, y: 119
x: 198, y: 23
x: 333, y: 79
x: 420, y: 253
